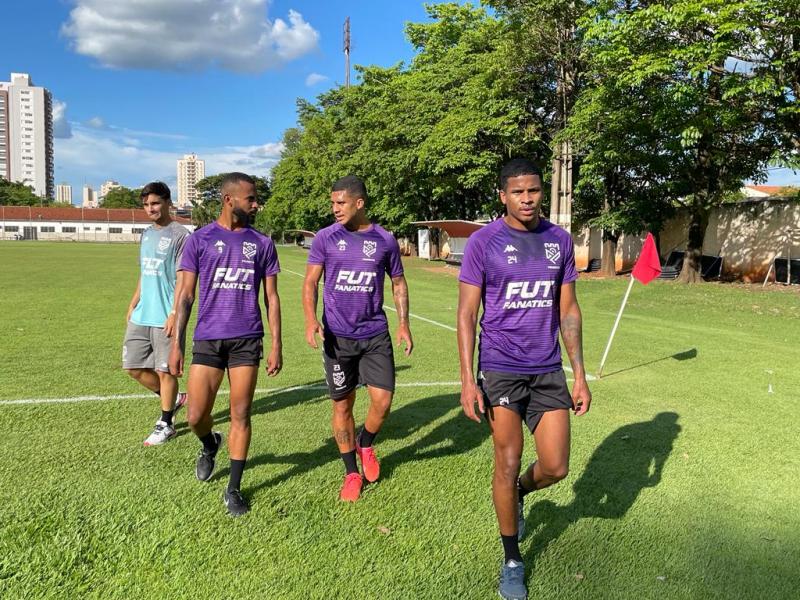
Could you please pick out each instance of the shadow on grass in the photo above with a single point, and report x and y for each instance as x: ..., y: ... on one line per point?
x: 679, y: 356
x: 447, y: 438
x: 627, y: 461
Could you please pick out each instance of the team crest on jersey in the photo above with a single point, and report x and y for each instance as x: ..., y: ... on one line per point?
x: 338, y: 379
x: 220, y: 246
x: 249, y: 249
x: 342, y: 245
x: 370, y: 248
x: 163, y: 244
x: 552, y: 251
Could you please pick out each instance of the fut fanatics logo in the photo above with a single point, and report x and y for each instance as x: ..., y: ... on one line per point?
x: 370, y: 248
x: 342, y: 245
x: 249, y: 249
x: 220, y: 246
x: 552, y: 251
x: 163, y: 244
x: 510, y: 248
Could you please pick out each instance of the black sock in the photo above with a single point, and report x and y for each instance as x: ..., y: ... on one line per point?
x: 209, y: 442
x: 511, y: 547
x: 349, y: 459
x: 365, y: 438
x: 237, y: 468
x: 166, y: 416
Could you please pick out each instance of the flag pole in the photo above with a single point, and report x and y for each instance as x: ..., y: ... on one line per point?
x: 614, y: 330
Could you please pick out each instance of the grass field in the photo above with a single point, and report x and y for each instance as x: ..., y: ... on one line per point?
x: 683, y: 484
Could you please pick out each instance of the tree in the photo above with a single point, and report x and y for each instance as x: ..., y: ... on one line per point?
x: 13, y: 193
x: 122, y: 197
x: 209, y: 203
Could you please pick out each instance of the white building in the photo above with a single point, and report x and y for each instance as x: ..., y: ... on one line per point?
x: 190, y: 170
x: 106, y: 187
x: 64, y: 193
x: 89, y: 197
x: 26, y: 134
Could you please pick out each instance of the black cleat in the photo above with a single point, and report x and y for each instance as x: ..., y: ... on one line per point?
x: 235, y: 503
x: 205, y: 460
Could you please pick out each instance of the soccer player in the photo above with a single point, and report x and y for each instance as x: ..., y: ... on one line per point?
x: 522, y: 268
x: 355, y: 254
x: 231, y: 261
x: 151, y: 317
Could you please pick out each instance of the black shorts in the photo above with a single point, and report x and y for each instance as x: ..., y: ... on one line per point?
x: 349, y: 362
x: 223, y: 354
x: 528, y: 395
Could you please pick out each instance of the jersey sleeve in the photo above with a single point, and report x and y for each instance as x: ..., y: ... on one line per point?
x: 180, y: 244
x: 316, y: 256
x: 570, y: 271
x: 394, y: 266
x: 190, y: 257
x: 270, y: 265
x: 472, y: 267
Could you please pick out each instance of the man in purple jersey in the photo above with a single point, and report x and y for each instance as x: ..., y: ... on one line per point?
x: 523, y: 267
x: 355, y: 254
x: 231, y: 261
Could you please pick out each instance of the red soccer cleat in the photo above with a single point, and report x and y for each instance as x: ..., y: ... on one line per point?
x: 369, y: 463
x: 351, y: 489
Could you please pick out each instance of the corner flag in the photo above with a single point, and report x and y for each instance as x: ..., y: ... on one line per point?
x: 647, y: 268
x: 648, y: 265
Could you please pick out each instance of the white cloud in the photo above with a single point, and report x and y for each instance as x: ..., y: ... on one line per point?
x: 235, y: 35
x: 94, y: 155
x: 61, y: 127
x: 315, y: 78
x: 96, y: 123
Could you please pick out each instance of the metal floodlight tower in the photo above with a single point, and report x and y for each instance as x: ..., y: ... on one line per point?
x: 347, y: 52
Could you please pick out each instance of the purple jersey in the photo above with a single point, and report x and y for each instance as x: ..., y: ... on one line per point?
x: 354, y: 266
x: 231, y: 266
x: 520, y: 274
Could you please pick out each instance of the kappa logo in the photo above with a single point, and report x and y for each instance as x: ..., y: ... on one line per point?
x: 220, y: 246
x: 370, y: 248
x: 510, y: 248
x: 249, y: 249
x: 338, y: 379
x: 342, y: 245
x: 163, y: 244
x: 552, y: 251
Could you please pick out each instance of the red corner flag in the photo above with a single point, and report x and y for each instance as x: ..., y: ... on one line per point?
x: 648, y: 266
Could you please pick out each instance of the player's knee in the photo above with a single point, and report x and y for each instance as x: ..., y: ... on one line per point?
x: 342, y: 408
x: 135, y: 373
x: 507, y: 467
x: 240, y: 416
x: 555, y: 473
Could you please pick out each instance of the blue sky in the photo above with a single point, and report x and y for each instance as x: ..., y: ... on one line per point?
x: 139, y: 83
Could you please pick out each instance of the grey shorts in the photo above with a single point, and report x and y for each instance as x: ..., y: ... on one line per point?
x: 145, y: 348
x: 350, y: 362
x: 528, y: 395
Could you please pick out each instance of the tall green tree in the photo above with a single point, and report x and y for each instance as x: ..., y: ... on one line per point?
x: 209, y: 203
x: 122, y: 197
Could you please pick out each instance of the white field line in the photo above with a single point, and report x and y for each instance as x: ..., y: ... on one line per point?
x: 267, y: 391
x: 442, y: 325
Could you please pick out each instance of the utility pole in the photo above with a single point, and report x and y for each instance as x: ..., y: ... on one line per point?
x: 347, y: 52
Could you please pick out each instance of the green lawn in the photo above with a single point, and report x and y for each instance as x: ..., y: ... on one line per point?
x: 684, y: 476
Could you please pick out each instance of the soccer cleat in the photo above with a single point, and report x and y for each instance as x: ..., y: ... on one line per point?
x: 161, y: 433
x: 235, y: 503
x: 205, y: 460
x: 369, y: 463
x: 521, y: 518
x: 351, y: 489
x: 512, y: 581
x: 180, y: 400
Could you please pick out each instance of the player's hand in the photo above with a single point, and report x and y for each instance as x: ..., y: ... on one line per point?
x: 404, y: 335
x: 470, y: 394
x: 312, y: 331
x: 175, y: 361
x: 274, y: 362
x: 581, y: 396
x: 169, y: 326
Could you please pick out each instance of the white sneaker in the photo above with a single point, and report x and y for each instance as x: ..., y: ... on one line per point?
x: 161, y: 433
x: 180, y: 400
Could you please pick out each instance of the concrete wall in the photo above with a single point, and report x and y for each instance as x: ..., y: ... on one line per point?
x: 88, y: 231
x: 748, y: 235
